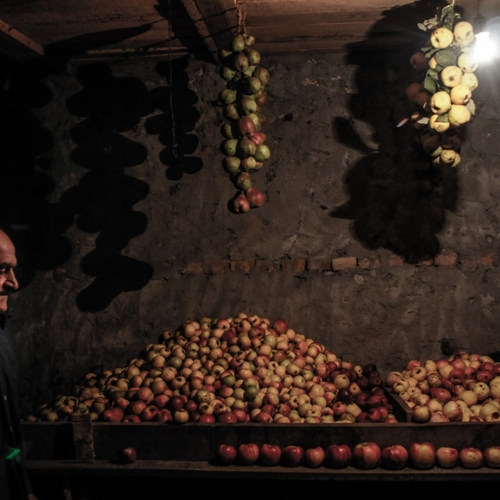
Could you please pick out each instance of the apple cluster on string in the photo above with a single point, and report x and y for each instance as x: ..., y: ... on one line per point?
x: 242, y: 100
x: 444, y: 98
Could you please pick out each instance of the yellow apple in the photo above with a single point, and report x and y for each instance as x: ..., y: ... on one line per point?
x: 458, y: 115
x: 451, y: 76
x: 466, y: 62
x: 440, y: 102
x: 439, y: 127
x: 463, y: 33
x: 470, y: 79
x: 441, y: 38
x: 461, y: 94
x: 448, y: 156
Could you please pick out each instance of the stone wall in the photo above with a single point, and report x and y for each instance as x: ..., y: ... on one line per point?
x: 362, y: 244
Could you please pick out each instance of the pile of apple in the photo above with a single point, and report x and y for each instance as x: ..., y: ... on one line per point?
x: 365, y: 455
x: 463, y: 388
x: 444, y: 98
x: 230, y: 370
x: 242, y: 100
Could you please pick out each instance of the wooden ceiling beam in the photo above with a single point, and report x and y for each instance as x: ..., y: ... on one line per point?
x: 17, y: 45
x: 201, y: 26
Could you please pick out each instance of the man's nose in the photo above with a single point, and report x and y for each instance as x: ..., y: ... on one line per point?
x: 12, y: 280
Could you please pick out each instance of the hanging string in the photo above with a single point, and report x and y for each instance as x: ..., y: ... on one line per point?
x: 240, y: 16
x: 170, y: 78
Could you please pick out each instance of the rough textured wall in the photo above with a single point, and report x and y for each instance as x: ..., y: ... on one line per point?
x: 148, y: 240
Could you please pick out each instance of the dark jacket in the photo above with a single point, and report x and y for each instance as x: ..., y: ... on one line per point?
x: 14, y: 483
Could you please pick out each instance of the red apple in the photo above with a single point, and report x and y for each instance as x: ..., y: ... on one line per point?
x: 145, y: 394
x: 270, y: 454
x: 338, y: 456
x: 280, y: 325
x: 163, y: 415
x: 225, y: 454
x: 263, y: 418
x: 441, y: 394
x: 366, y: 455
x: 374, y: 415
x: 422, y: 455
x: 471, y: 457
x: 240, y: 414
x: 136, y: 407
x: 149, y: 413
x: 447, y: 457
x: 227, y: 417
x: 257, y: 138
x: 175, y: 403
x: 126, y: 455
x: 255, y: 197
x: 241, y: 204
x: 394, y: 457
x: 314, y: 457
x: 245, y: 125
x: 206, y: 418
x: 122, y: 403
x: 114, y: 414
x: 292, y: 456
x: 160, y: 401
x: 484, y: 376
x: 492, y: 456
x: 248, y: 453
x: 131, y: 419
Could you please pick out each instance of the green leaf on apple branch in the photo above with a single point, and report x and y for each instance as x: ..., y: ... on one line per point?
x: 431, y: 85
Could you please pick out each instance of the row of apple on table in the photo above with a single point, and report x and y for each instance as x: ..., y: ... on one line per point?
x: 364, y: 455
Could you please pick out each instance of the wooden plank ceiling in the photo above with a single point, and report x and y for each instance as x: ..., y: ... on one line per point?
x: 82, y: 29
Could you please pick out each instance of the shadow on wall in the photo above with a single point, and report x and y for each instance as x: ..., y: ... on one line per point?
x: 103, y: 201
x: 35, y: 224
x: 398, y: 198
x: 179, y: 116
x: 175, y: 100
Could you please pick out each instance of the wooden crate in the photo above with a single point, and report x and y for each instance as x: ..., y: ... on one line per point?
x: 188, y: 450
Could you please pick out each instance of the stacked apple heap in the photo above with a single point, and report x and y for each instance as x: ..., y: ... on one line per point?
x: 364, y: 455
x: 243, y: 97
x: 463, y: 388
x: 230, y: 370
x: 444, y: 99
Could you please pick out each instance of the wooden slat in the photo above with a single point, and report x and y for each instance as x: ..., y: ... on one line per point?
x: 18, y: 44
x: 328, y: 44
x: 194, y: 469
x: 220, y: 19
x: 200, y: 25
x: 325, y: 30
x: 83, y: 438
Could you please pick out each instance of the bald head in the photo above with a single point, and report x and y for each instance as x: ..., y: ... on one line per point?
x: 8, y: 263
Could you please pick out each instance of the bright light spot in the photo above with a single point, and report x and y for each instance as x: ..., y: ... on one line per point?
x: 485, y: 49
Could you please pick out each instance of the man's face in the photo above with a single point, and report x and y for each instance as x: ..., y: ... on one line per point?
x: 8, y: 262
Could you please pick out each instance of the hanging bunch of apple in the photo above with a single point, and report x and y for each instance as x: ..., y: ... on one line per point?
x: 444, y: 97
x: 242, y: 99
